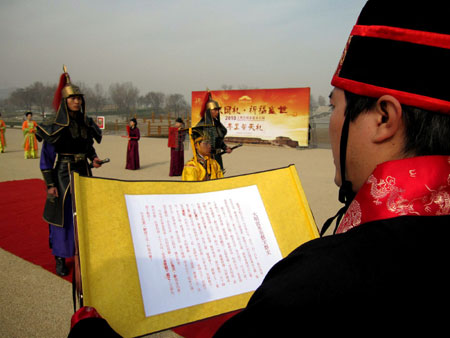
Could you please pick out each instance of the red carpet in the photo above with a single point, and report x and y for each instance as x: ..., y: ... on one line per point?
x: 24, y: 234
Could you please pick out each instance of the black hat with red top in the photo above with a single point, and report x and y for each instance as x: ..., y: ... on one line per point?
x: 401, y: 48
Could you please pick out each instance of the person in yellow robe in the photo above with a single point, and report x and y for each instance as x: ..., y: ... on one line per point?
x: 29, y: 132
x: 201, y: 167
x: 2, y: 135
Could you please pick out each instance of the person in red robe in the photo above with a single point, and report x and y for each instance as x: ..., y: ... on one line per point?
x: 133, y: 146
x: 176, y: 138
x: 2, y: 135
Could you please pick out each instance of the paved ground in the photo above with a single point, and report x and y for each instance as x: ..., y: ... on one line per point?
x: 36, y: 303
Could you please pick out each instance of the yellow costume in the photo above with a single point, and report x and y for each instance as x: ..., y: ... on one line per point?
x: 2, y: 136
x: 30, y: 142
x: 195, y: 170
x: 200, y: 168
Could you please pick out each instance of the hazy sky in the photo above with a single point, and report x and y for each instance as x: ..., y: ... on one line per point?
x: 175, y: 46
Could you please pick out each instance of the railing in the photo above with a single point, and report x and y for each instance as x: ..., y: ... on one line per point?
x: 147, y: 127
x: 151, y: 127
x: 13, y: 124
x: 159, y: 127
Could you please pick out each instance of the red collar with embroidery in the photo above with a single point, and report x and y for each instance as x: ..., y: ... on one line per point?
x: 414, y: 186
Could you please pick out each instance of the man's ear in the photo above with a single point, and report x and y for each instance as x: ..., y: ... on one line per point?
x: 388, y: 112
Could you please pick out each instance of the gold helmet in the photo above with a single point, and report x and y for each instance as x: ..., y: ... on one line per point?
x: 69, y: 89
x: 64, y: 90
x: 211, y: 104
x: 199, y: 134
x: 196, y: 135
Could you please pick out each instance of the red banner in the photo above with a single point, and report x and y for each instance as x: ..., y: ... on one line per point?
x: 270, y: 115
x: 173, y: 137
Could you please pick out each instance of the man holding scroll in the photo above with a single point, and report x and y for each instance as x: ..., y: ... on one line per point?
x: 384, y: 269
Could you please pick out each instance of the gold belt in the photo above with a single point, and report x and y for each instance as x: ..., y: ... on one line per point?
x: 71, y: 157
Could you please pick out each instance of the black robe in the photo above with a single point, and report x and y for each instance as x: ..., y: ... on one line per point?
x: 68, y: 135
x: 382, y: 277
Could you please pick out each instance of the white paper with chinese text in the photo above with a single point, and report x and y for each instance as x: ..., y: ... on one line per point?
x: 196, y: 248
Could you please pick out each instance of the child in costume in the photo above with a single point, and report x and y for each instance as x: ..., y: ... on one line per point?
x: 201, y: 167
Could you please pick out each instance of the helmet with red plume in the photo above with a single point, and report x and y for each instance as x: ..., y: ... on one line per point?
x: 65, y: 89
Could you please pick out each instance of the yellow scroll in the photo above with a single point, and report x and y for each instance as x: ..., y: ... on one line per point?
x: 109, y: 274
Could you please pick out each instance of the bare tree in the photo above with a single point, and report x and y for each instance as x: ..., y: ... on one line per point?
x: 312, y: 103
x: 124, y: 96
x: 6, y: 107
x: 321, y: 101
x: 226, y: 87
x: 243, y: 87
x: 176, y: 103
x: 35, y: 95
x: 42, y: 95
x: 142, y: 102
x: 21, y: 98
x: 95, y: 97
x: 155, y: 100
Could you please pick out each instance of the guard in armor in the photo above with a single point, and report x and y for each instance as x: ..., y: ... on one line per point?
x: 67, y: 147
x: 210, y: 121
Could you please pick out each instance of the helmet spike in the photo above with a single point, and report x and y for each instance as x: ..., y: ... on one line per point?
x: 66, y: 74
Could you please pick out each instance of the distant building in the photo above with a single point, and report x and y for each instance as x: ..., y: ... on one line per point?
x: 282, y: 140
x: 252, y: 140
x: 279, y: 141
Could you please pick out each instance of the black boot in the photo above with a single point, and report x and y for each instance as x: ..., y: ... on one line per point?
x: 61, y: 268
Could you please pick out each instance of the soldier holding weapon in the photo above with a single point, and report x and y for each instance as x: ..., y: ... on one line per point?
x: 68, y: 145
x: 210, y: 121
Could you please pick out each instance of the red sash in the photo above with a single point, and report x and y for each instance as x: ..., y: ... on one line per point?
x: 414, y: 186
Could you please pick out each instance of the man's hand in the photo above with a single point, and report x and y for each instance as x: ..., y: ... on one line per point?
x: 96, y: 162
x: 53, y: 191
x: 229, y: 150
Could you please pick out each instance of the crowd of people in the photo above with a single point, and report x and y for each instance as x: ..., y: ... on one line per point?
x: 207, y: 141
x: 207, y: 150
x: 68, y: 146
